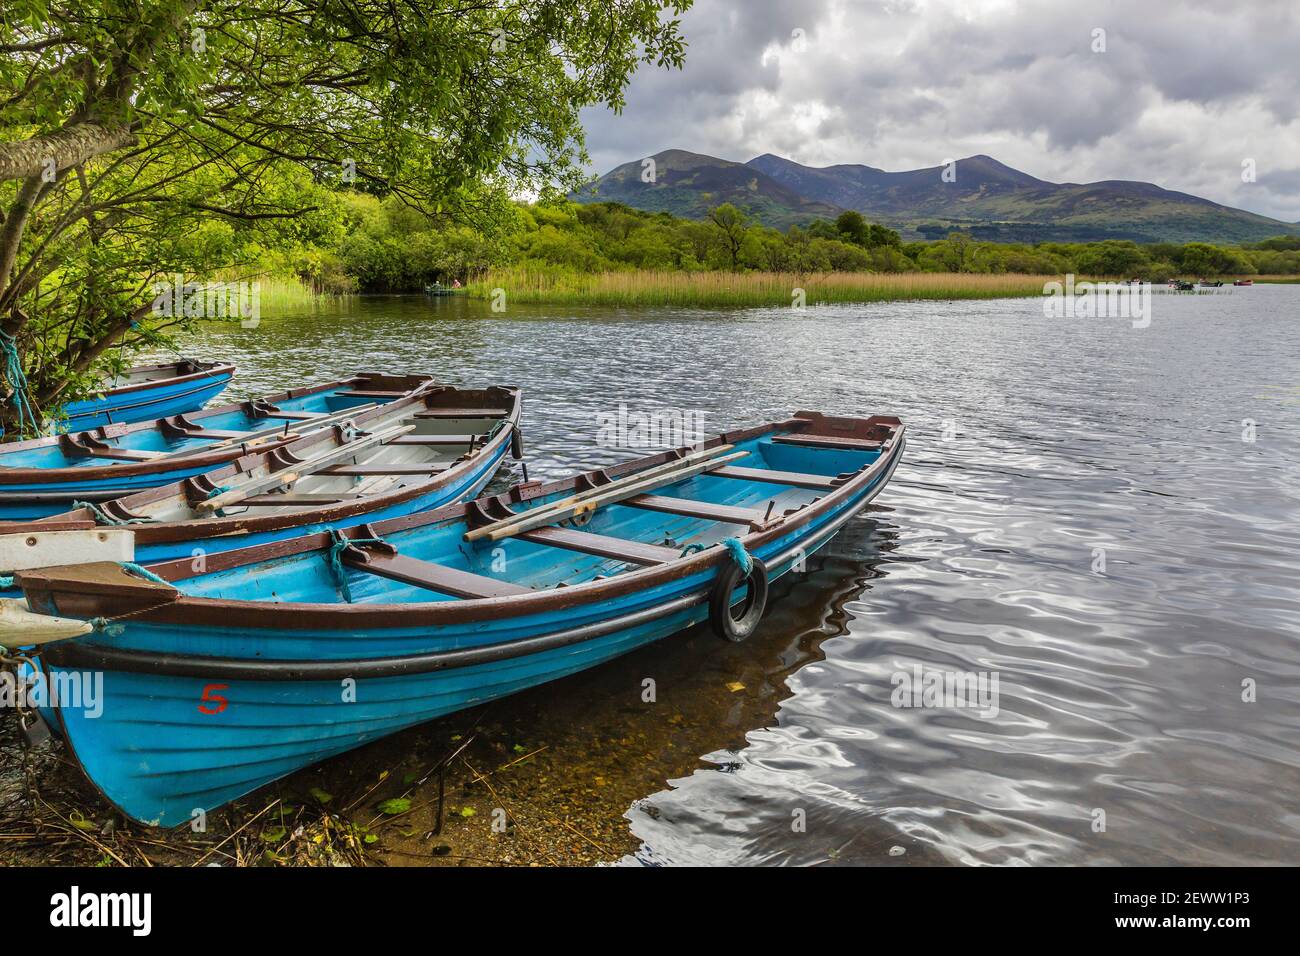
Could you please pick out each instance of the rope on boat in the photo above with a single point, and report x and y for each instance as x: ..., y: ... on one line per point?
x: 691, y: 549
x: 17, y: 379
x: 738, y: 554
x: 103, y: 517
x: 334, y: 558
x: 108, y: 625
x: 6, y: 582
x: 145, y: 573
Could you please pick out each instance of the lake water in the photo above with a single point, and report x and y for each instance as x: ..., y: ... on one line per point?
x: 1085, y: 510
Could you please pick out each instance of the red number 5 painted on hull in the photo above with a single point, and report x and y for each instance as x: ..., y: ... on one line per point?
x: 212, y: 698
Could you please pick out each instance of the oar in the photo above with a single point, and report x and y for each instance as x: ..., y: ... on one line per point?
x: 668, y: 466
x: 256, y: 437
x: 609, y: 494
x: 282, y: 479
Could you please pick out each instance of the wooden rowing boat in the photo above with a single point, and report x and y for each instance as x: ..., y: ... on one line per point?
x: 419, y: 450
x: 150, y: 391
x: 45, y: 476
x: 274, y: 657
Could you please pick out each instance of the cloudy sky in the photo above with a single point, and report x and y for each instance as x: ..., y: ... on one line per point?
x: 1184, y: 92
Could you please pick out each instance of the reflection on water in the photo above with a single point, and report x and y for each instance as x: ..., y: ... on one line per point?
x: 1078, y: 513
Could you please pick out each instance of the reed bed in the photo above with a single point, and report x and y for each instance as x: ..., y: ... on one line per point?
x: 747, y: 289
x: 281, y: 296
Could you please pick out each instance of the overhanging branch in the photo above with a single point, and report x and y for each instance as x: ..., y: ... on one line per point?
x: 66, y: 147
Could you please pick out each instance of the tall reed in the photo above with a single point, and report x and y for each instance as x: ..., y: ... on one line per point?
x: 746, y: 289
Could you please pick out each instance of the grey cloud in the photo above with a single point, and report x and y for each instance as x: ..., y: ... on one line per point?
x: 1185, y: 89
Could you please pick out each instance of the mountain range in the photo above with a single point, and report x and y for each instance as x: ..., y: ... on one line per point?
x: 988, y: 198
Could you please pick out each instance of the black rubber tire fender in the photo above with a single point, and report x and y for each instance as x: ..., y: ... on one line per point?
x: 726, y: 624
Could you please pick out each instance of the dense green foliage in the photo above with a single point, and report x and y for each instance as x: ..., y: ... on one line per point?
x: 144, y: 138
x: 388, y: 247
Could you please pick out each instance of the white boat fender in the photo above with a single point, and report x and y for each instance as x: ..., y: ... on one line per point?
x: 21, y: 627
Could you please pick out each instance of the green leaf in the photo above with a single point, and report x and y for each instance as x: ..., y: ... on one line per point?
x: 395, y: 806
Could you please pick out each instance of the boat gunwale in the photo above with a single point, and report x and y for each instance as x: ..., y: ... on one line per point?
x: 74, y: 654
x: 195, y: 529
x: 55, y: 476
x: 203, y: 369
x: 109, y: 599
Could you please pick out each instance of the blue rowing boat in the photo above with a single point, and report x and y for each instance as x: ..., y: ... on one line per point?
x: 220, y: 680
x: 46, y: 476
x: 150, y: 391
x: 417, y: 451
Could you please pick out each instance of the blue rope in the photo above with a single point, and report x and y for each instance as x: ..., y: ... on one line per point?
x: 334, y: 558
x: 6, y: 582
x: 739, y: 554
x: 691, y: 549
x: 103, y: 517
x: 17, y: 379
x: 144, y: 573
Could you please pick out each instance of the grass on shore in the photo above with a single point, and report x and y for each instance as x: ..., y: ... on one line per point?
x: 281, y: 294
x: 748, y: 289
x: 288, y: 296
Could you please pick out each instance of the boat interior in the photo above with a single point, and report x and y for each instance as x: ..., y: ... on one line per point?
x: 389, y: 449
x: 759, y: 480
x: 195, y: 432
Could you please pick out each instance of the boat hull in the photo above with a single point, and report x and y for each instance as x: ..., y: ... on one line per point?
x: 228, y: 735
x: 156, y: 400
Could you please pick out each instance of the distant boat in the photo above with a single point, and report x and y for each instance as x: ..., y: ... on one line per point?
x: 1243, y: 282
x: 1206, y: 284
x: 1178, y: 285
x: 439, y: 289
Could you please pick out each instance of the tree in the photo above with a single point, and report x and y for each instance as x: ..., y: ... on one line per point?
x: 852, y: 227
x: 1112, y: 258
x: 140, y: 138
x: 731, y: 225
x: 1203, y: 259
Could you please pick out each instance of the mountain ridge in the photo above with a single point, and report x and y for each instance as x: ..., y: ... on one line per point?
x: 986, y: 197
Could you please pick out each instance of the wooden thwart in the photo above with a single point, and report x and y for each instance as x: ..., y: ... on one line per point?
x: 434, y: 440
x: 373, y: 393
x: 464, y: 413
x: 794, y: 479
x: 696, y: 509
x: 829, y: 441
x: 360, y: 471
x: 318, y: 421
x: 434, y: 577
x: 295, y: 416
x: 291, y: 498
x: 679, y: 469
x: 124, y: 454
x: 602, y: 545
